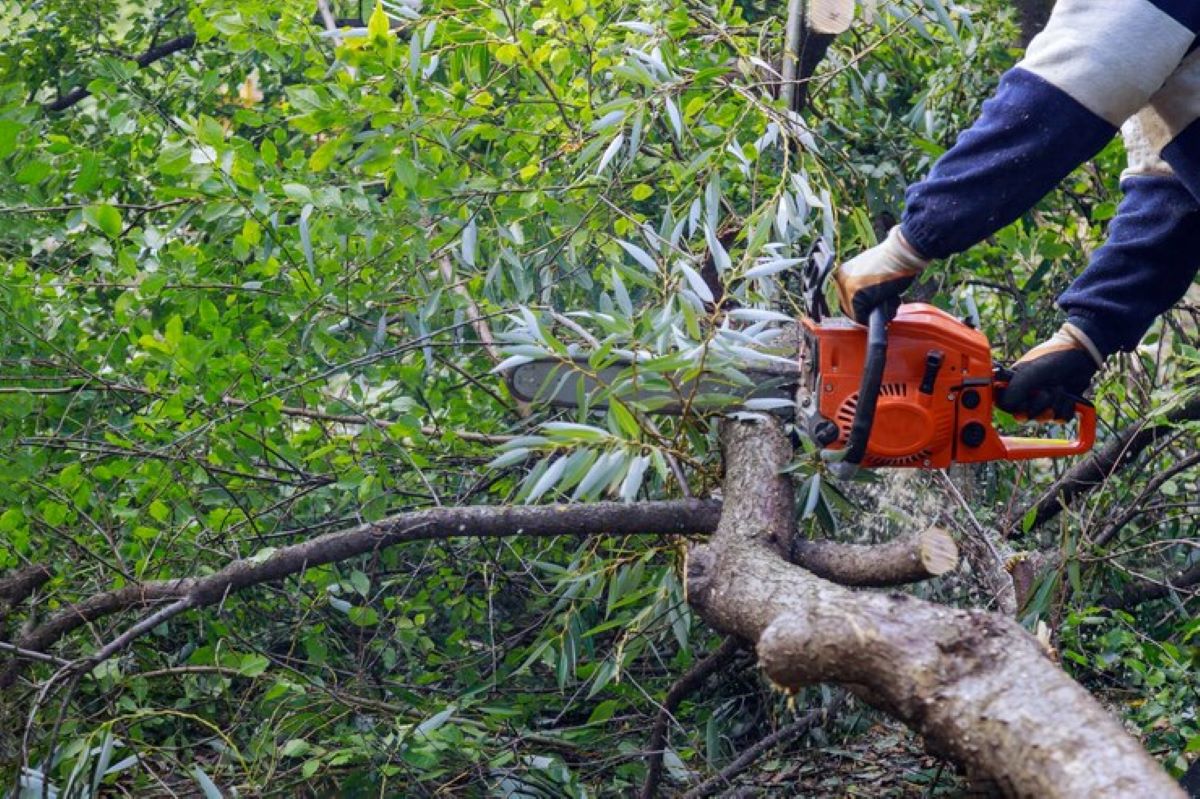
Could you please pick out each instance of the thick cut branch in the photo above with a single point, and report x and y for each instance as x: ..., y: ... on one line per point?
x: 974, y: 684
x: 480, y: 521
x: 905, y: 559
x: 1119, y: 453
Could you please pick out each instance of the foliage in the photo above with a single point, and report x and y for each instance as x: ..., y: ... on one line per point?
x: 248, y: 293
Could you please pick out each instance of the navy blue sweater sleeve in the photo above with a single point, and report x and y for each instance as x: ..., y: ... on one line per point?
x: 1028, y: 137
x: 1147, y: 264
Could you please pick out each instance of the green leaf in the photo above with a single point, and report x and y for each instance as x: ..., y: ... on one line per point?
x: 603, y: 711
x: 296, y: 747
x: 210, y: 789
x: 104, y: 218
x: 253, y: 665
x: 298, y: 192
x: 378, y: 25
x: 11, y: 519
x: 362, y: 616
x: 8, y: 136
x: 323, y: 156
x: 55, y: 513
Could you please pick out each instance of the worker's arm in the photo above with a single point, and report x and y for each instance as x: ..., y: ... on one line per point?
x: 1088, y: 71
x: 1148, y: 262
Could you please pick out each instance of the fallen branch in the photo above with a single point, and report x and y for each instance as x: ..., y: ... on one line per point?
x: 479, y: 521
x: 679, y: 517
x: 684, y: 687
x: 746, y: 759
x: 905, y: 559
x: 1150, y: 590
x: 978, y: 688
x: 1119, y: 453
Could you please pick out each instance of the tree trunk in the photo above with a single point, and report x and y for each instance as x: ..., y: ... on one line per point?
x: 974, y: 684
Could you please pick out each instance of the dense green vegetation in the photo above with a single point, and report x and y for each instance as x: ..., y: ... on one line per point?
x: 248, y: 292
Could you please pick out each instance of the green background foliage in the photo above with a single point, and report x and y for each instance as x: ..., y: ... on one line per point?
x: 241, y: 295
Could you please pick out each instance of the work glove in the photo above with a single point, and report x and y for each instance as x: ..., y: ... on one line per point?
x: 877, y: 277
x: 1052, y: 376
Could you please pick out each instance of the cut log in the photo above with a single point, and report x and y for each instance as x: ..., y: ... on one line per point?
x: 905, y: 559
x: 829, y: 16
x: 977, y: 687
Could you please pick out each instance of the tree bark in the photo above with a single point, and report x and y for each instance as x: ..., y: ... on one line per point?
x: 974, y: 684
x: 1150, y: 590
x: 905, y: 559
x: 172, y: 597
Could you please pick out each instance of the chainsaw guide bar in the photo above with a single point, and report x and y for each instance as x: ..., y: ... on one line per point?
x: 574, y: 383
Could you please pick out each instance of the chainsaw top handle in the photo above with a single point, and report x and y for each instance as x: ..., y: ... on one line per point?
x: 868, y: 391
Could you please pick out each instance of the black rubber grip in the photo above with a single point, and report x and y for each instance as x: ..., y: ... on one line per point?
x: 868, y: 389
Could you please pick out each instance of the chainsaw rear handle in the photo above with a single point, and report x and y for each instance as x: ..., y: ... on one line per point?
x: 1022, y: 448
x: 868, y: 389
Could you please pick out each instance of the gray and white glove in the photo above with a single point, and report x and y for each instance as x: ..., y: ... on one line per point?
x: 877, y: 277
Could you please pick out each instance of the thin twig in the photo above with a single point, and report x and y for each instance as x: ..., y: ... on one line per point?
x: 782, y: 735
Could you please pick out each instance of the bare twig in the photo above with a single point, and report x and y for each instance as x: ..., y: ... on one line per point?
x: 685, y: 686
x: 784, y: 734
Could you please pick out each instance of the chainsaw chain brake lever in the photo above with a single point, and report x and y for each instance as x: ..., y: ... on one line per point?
x: 844, y: 463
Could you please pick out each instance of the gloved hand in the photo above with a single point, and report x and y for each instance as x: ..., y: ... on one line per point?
x: 877, y: 277
x: 1052, y: 375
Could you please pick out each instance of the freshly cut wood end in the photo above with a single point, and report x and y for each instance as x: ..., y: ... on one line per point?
x: 939, y: 553
x: 830, y: 16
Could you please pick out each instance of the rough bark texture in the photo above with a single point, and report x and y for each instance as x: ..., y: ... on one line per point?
x: 975, y: 685
x: 20, y: 584
x: 905, y: 559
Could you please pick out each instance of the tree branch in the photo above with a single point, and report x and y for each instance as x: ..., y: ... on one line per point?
x: 156, y: 53
x: 684, y: 687
x: 978, y: 687
x: 1138, y: 506
x: 17, y: 586
x: 905, y: 559
x: 479, y: 521
x: 1119, y: 453
x: 1150, y: 590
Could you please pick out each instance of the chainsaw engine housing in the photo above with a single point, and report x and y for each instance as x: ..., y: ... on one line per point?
x: 934, y: 404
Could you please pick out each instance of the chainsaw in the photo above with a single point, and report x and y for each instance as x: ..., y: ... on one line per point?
x: 915, y: 392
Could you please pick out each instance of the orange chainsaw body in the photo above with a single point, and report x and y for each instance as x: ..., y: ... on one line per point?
x: 935, y: 398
